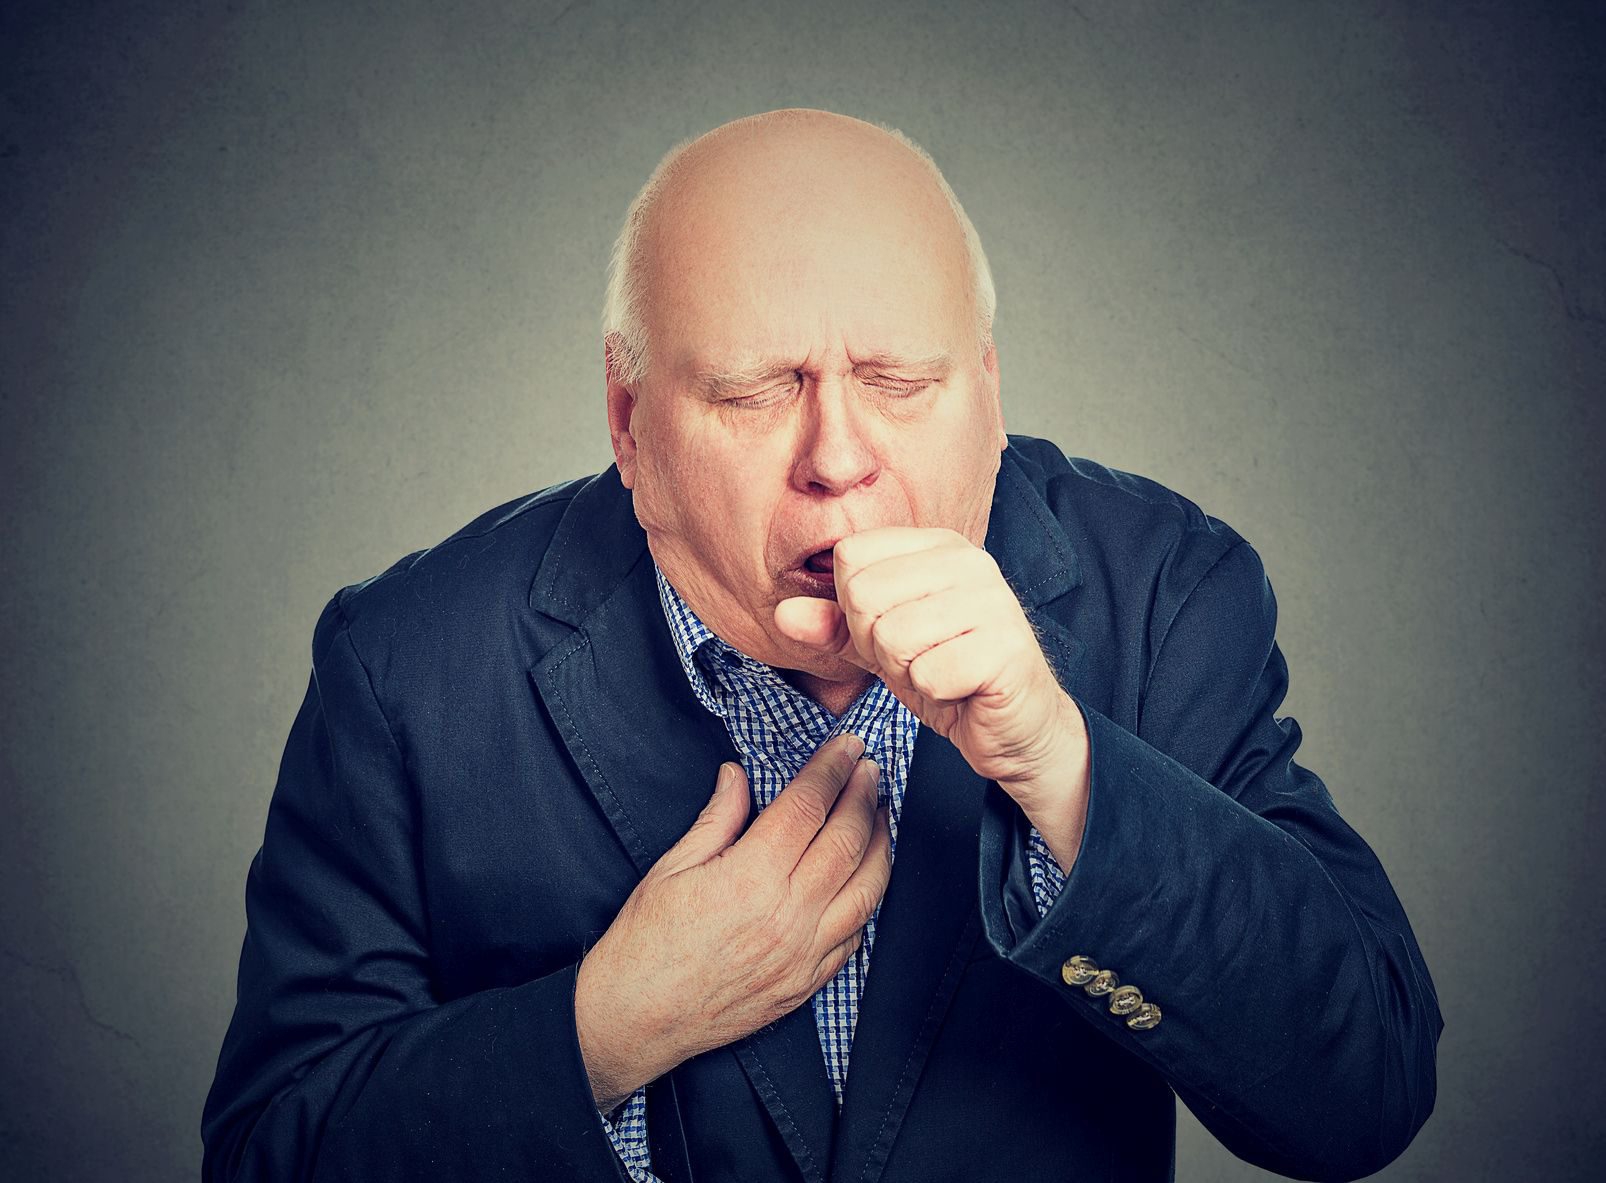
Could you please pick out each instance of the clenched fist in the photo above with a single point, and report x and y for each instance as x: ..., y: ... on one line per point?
x: 726, y: 934
x: 929, y: 612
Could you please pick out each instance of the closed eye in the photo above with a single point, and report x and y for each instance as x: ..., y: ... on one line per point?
x: 769, y: 396
x: 772, y: 395
x: 898, y: 385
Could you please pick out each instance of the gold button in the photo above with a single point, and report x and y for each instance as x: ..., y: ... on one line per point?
x: 1103, y: 982
x: 1125, y: 1000
x: 1078, y: 971
x: 1148, y: 1015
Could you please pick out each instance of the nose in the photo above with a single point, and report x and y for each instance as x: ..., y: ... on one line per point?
x: 835, y: 453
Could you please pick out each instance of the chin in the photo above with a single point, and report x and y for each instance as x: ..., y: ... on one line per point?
x: 829, y: 669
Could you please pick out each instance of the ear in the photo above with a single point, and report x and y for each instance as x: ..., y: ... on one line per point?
x: 989, y: 365
x: 621, y: 408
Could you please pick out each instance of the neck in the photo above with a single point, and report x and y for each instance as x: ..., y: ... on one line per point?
x: 835, y: 697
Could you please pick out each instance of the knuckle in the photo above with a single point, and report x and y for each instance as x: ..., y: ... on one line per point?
x: 793, y: 988
x: 843, y: 952
x: 807, y: 803
x: 889, y: 635
x: 926, y: 676
x: 843, y: 848
x: 866, y: 899
x: 813, y: 808
x: 827, y: 969
x: 825, y: 771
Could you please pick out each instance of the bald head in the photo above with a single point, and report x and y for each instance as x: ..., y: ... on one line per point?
x: 776, y: 198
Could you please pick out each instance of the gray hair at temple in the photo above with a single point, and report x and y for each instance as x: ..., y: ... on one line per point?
x: 623, y: 326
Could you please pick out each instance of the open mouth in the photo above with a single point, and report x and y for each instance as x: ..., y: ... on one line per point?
x: 816, y: 574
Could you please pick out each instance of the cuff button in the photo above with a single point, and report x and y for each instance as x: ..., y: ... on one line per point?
x: 1078, y: 971
x: 1125, y: 1000
x: 1103, y: 982
x: 1146, y: 1016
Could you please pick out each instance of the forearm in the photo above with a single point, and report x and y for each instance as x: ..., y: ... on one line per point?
x: 620, y: 1052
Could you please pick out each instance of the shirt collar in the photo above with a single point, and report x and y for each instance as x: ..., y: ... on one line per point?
x: 697, y: 647
x: 711, y: 663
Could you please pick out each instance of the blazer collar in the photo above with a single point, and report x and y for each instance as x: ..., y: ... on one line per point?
x: 648, y: 750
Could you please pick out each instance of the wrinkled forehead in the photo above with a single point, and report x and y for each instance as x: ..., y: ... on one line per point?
x: 768, y: 252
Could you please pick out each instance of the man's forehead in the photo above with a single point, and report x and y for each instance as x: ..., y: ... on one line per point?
x: 743, y: 331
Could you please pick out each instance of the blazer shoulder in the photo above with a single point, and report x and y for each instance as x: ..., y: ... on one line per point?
x: 1121, y: 522
x: 480, y: 572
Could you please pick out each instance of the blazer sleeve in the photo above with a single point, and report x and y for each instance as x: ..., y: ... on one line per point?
x: 1298, y: 1021
x: 339, y: 1061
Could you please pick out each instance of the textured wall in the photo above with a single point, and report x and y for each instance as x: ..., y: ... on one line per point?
x: 291, y: 289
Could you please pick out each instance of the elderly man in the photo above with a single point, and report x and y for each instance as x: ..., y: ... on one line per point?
x: 598, y: 815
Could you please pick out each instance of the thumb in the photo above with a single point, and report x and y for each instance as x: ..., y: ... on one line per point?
x: 816, y: 622
x: 718, y: 825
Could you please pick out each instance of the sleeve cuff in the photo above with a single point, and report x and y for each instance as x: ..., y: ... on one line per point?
x: 627, y: 1131
x: 1048, y: 877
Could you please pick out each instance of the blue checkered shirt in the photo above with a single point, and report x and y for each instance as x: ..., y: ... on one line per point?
x: 776, y: 728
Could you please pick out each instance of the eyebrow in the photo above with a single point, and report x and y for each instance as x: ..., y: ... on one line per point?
x: 715, y: 381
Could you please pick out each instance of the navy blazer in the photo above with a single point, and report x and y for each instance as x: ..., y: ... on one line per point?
x: 498, y: 741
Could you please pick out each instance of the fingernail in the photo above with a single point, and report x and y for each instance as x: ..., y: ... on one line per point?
x: 854, y: 745
x: 875, y: 769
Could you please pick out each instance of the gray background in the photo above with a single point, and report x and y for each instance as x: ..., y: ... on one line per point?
x: 292, y: 289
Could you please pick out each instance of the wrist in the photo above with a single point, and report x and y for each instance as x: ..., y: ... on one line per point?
x: 615, y: 1050
x: 1054, y: 796
x: 1060, y: 772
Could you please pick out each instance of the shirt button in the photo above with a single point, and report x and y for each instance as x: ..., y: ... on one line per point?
x: 1103, y: 982
x: 1078, y: 971
x: 1125, y: 1000
x: 1147, y: 1015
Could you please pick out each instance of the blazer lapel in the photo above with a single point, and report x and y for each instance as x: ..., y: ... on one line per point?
x: 930, y: 920
x: 644, y: 744
x: 648, y: 750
